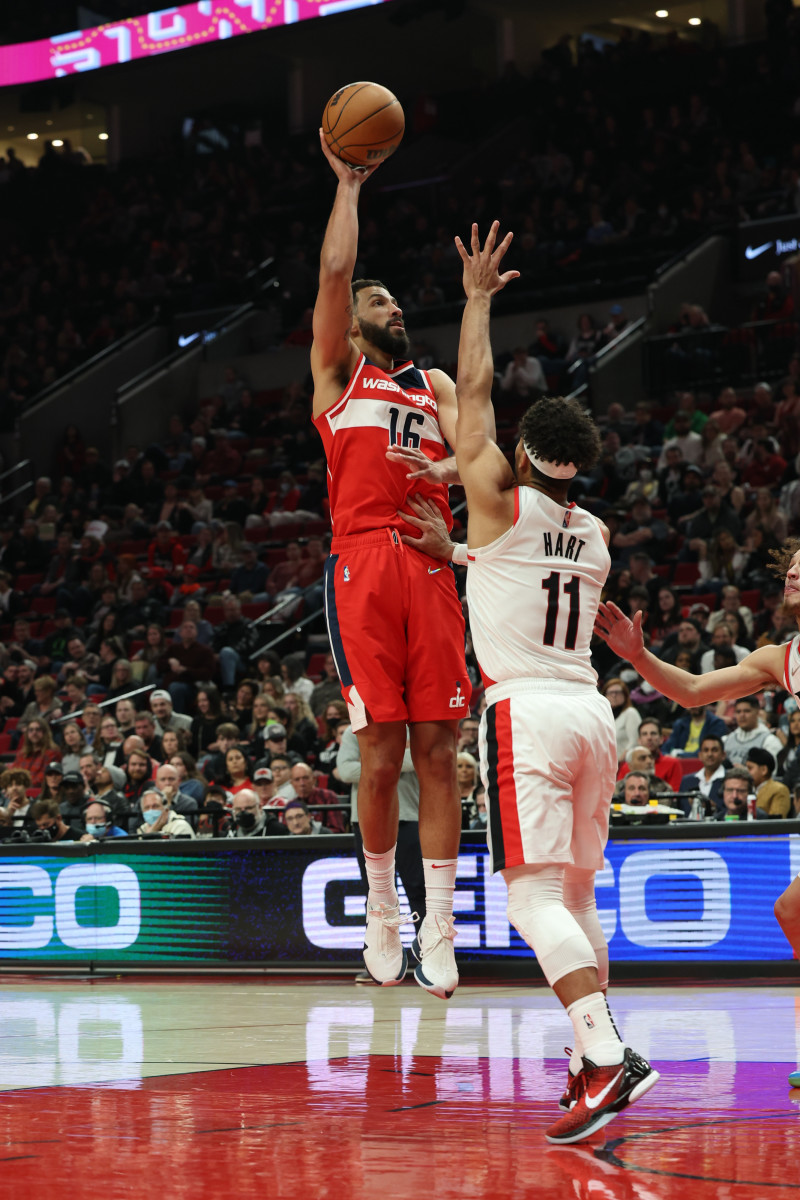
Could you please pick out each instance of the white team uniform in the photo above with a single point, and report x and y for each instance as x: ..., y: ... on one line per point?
x: 547, y: 739
x: 791, y: 667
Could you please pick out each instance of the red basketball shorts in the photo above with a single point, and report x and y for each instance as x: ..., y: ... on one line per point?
x: 396, y: 630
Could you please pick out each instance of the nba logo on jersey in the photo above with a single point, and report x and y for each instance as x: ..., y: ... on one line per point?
x: 458, y: 700
x: 567, y: 516
x: 346, y: 574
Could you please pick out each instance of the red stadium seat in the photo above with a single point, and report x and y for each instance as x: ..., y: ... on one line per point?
x: 690, y: 766
x: 44, y: 605
x: 686, y: 574
x: 26, y: 582
x: 5, y: 743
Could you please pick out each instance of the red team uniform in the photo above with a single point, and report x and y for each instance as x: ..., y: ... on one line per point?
x: 394, y: 618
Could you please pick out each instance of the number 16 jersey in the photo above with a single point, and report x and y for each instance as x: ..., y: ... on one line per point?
x: 379, y: 409
x: 533, y: 593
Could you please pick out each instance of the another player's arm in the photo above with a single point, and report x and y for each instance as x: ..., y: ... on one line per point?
x: 333, y: 354
x: 624, y: 637
x: 484, y: 470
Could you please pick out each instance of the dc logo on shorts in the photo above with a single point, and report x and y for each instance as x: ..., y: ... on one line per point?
x: 457, y: 701
x: 346, y: 574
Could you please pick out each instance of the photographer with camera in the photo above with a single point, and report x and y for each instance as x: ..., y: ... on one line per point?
x: 50, y: 825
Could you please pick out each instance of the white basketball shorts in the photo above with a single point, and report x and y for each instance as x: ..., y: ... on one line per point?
x: 548, y: 763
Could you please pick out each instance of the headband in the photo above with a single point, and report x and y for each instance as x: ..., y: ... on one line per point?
x: 552, y: 469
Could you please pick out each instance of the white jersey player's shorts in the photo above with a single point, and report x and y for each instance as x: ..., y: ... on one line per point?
x: 548, y: 763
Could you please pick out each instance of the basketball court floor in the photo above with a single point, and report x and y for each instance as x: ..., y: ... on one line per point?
x: 190, y: 1087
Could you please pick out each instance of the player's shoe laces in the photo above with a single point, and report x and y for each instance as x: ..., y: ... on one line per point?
x: 574, y: 1085
x: 605, y: 1092
x: 794, y: 1078
x: 433, y: 947
x: 384, y: 956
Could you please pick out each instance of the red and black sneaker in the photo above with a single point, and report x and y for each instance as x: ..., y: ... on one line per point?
x: 605, y: 1092
x: 574, y: 1085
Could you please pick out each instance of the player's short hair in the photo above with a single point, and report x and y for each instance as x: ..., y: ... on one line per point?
x: 782, y: 558
x: 560, y: 430
x: 358, y: 285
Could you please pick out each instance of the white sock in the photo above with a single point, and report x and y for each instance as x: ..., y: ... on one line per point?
x: 381, y: 877
x: 576, y: 1057
x: 440, y: 881
x: 595, y: 1030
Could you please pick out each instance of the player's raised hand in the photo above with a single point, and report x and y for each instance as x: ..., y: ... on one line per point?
x: 623, y: 635
x: 482, y: 266
x: 344, y: 172
x: 433, y: 537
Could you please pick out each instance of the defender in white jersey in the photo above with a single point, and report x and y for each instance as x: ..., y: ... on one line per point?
x: 767, y: 665
x: 548, y: 749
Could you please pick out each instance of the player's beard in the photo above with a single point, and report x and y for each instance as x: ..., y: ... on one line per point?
x: 390, y: 341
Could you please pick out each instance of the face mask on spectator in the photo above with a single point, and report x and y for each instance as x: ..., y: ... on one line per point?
x: 248, y: 821
x: 152, y: 815
x: 96, y: 830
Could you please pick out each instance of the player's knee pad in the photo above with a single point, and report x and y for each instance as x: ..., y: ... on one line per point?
x: 536, y: 910
x: 579, y: 898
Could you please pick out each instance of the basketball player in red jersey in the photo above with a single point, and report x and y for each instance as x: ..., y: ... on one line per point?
x: 765, y: 666
x: 394, y: 618
x: 537, y: 567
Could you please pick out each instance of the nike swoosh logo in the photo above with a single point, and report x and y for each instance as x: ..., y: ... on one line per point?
x: 754, y: 251
x: 593, y: 1101
x: 439, y: 866
x: 434, y: 570
x: 192, y: 337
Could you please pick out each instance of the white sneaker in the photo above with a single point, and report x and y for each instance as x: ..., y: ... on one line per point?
x: 384, y: 956
x: 437, y: 971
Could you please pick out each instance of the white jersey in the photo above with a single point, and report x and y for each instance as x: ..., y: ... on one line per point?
x: 533, y: 593
x: 791, y: 667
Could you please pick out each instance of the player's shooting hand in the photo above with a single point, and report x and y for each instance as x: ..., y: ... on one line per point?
x: 623, y: 635
x: 482, y: 266
x: 425, y: 516
x: 421, y: 467
x: 343, y: 171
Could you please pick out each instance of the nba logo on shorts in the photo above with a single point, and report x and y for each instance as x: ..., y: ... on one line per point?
x: 458, y: 700
x: 346, y: 574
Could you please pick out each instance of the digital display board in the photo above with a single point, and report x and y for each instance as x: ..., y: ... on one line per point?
x: 764, y: 246
x: 230, y: 903
x: 160, y: 32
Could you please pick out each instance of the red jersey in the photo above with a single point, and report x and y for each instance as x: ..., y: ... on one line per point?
x: 379, y: 409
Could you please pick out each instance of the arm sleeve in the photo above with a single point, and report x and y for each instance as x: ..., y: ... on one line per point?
x: 459, y: 554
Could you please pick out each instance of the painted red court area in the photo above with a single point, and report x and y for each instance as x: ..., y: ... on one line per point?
x: 187, y: 1088
x: 383, y: 1126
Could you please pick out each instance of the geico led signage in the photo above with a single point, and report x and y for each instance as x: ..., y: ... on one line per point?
x: 62, y: 919
x: 160, y: 32
x: 229, y: 902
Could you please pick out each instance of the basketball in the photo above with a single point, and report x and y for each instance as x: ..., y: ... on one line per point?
x: 363, y: 123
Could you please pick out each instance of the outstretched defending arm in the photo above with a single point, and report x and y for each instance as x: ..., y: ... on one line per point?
x: 752, y: 673
x: 333, y: 354
x: 482, y: 466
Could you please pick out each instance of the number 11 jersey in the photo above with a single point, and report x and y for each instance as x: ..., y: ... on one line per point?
x: 379, y: 409
x: 533, y: 593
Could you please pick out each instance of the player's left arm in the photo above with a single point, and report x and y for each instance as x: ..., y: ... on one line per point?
x: 483, y: 467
